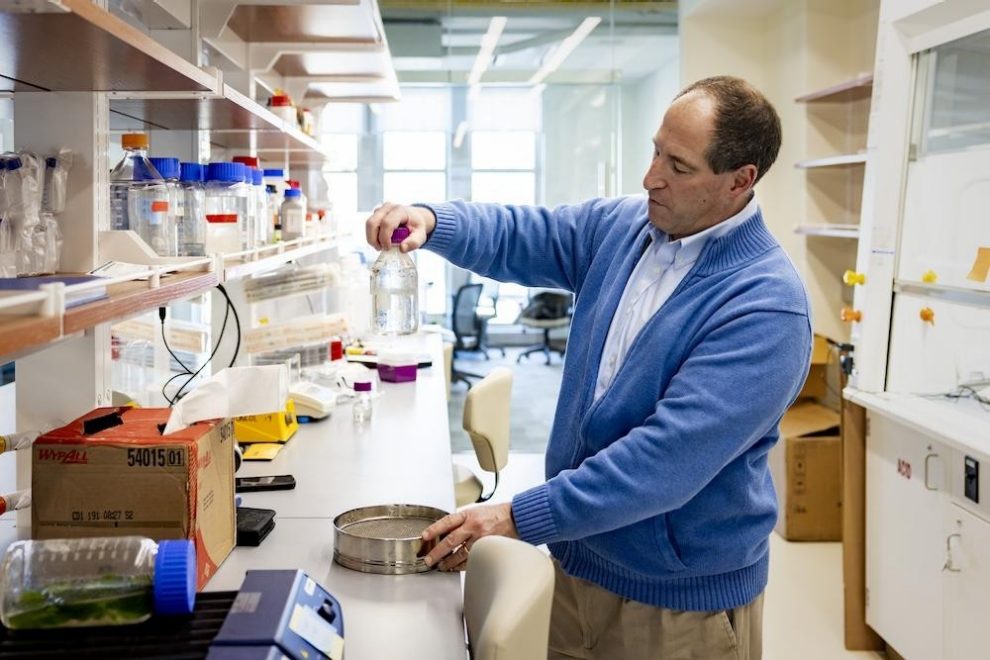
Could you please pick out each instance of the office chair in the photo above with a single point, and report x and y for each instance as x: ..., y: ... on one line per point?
x: 508, y: 595
x: 486, y: 420
x: 466, y: 327
x: 548, y: 310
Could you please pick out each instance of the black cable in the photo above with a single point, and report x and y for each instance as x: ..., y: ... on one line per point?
x: 237, y: 324
x: 223, y: 328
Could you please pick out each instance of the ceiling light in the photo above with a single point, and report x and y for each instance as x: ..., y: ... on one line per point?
x: 565, y: 48
x: 487, y: 50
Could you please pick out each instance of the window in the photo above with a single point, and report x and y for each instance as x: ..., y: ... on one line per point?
x: 340, y: 174
x: 416, y: 171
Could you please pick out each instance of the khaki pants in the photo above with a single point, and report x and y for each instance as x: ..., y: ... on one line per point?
x: 592, y: 623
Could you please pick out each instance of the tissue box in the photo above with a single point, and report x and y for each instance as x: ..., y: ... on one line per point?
x: 397, y: 367
x: 112, y: 473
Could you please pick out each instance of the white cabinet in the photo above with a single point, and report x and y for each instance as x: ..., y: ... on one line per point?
x: 905, y: 480
x: 967, y: 585
x: 927, y: 544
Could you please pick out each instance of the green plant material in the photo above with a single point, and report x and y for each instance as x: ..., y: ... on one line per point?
x: 111, y: 600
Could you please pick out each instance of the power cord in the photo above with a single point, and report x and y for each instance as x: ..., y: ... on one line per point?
x: 230, y: 308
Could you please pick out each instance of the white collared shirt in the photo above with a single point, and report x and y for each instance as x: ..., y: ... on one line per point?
x: 661, y: 268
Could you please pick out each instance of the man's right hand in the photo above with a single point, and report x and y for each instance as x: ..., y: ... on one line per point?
x: 388, y: 217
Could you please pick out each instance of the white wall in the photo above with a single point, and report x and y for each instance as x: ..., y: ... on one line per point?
x: 644, y: 101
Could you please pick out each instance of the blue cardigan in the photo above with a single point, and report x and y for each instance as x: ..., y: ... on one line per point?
x: 658, y: 491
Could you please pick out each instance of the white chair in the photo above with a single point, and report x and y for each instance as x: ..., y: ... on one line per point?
x: 508, y: 593
x: 486, y: 420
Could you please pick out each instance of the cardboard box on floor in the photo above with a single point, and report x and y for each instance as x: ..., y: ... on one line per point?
x: 112, y: 473
x: 806, y: 468
x: 806, y: 462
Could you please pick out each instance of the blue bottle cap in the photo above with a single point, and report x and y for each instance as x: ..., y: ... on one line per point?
x: 257, y: 176
x: 225, y: 172
x: 275, y: 173
x: 293, y: 193
x: 51, y: 161
x: 167, y: 167
x: 175, y: 577
x: 190, y: 172
x: 14, y: 164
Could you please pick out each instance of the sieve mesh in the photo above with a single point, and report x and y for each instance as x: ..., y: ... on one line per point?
x: 389, y: 528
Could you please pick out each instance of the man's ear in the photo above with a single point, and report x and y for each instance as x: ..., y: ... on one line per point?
x: 743, y: 180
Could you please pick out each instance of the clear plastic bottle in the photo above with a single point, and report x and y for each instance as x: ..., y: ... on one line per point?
x: 361, y: 409
x: 192, y: 220
x: 394, y: 290
x: 226, y: 207
x: 263, y: 224
x: 163, y: 238
x: 293, y: 215
x: 95, y: 581
x: 134, y: 173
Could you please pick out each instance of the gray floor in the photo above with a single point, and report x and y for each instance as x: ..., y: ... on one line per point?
x: 534, y: 398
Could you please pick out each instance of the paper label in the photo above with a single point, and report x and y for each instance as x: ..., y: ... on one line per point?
x: 321, y: 635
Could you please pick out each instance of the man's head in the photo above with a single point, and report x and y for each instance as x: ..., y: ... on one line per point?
x: 717, y: 139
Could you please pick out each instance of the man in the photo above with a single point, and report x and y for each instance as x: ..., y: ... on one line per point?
x: 690, y: 337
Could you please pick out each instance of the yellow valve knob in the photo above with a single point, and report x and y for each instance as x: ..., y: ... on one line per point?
x: 263, y: 320
x: 929, y: 277
x: 927, y: 315
x: 850, y: 315
x: 852, y: 278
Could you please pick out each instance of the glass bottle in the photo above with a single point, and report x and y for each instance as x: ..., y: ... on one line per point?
x: 134, y: 174
x: 293, y: 215
x: 95, y: 581
x: 226, y: 207
x: 192, y: 219
x: 394, y: 290
x: 361, y: 408
x: 163, y: 238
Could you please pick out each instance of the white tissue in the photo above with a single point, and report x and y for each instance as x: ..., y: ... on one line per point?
x: 234, y: 392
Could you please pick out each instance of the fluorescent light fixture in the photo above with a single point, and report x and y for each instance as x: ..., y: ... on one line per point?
x: 487, y: 50
x: 459, y: 135
x: 565, y: 48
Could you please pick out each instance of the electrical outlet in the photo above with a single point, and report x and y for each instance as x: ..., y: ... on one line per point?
x: 971, y: 479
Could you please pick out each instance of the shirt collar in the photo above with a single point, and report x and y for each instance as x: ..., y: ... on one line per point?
x: 688, y: 249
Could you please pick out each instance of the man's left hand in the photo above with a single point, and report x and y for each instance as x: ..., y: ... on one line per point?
x: 462, y: 529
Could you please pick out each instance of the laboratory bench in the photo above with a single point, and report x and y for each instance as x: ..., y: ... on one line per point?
x: 402, y: 455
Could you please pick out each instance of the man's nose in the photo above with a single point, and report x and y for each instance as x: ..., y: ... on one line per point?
x: 653, y: 178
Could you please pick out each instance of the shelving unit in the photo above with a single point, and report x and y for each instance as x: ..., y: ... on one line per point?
x: 77, y: 46
x: 269, y: 257
x: 22, y: 333
x: 235, y: 122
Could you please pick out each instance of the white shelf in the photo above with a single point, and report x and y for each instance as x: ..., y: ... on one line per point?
x: 830, y: 230
x: 853, y: 89
x: 963, y: 424
x: 270, y: 257
x: 839, y: 160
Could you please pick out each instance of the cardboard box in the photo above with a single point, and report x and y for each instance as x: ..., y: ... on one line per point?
x: 806, y: 468
x: 112, y: 473
x: 816, y: 384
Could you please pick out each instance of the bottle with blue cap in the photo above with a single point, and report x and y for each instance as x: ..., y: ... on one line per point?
x: 100, y: 581
x: 137, y: 190
x: 192, y: 216
x: 163, y: 238
x: 226, y: 207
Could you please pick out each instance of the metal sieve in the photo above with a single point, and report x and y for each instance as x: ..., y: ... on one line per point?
x: 384, y: 539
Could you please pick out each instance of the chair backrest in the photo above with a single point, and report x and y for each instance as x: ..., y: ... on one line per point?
x: 548, y: 305
x: 448, y: 364
x: 508, y: 593
x: 486, y: 418
x: 464, y: 320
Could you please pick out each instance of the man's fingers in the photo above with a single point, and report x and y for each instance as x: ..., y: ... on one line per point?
x: 455, y: 562
x: 373, y: 223
x: 444, y: 525
x: 396, y: 216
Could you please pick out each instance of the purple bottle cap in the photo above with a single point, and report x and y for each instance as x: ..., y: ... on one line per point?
x: 362, y: 387
x: 400, y: 234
